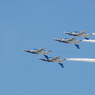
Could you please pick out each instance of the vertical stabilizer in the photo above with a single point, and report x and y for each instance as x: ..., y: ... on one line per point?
x: 46, y: 57
x: 61, y: 65
x: 77, y: 46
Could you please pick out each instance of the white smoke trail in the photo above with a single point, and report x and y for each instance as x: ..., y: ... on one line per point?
x: 93, y: 33
x: 81, y: 59
x: 92, y: 41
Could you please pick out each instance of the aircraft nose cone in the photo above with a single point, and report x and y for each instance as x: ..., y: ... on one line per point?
x: 56, y: 39
x: 25, y: 50
x: 41, y: 58
x: 66, y: 32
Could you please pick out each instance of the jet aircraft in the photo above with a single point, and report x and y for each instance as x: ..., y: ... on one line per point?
x: 77, y: 33
x: 71, y: 40
x: 55, y: 59
x: 37, y: 51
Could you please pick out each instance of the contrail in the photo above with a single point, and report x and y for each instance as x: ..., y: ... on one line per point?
x: 82, y: 59
x: 92, y: 41
x: 93, y: 33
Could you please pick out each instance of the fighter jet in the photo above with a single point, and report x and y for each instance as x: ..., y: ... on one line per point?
x: 37, y: 51
x: 55, y: 59
x: 71, y: 40
x: 77, y: 33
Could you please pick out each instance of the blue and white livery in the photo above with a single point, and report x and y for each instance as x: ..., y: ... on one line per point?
x: 55, y: 59
x: 71, y: 40
x: 77, y: 33
x: 37, y: 51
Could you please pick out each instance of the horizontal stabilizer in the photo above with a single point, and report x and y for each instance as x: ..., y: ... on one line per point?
x: 61, y: 65
x: 77, y: 46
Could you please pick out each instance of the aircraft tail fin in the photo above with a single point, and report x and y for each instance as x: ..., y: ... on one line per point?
x: 86, y: 38
x: 46, y: 57
x: 77, y: 46
x: 61, y: 65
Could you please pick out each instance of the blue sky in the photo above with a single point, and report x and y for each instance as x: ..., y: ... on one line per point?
x: 32, y: 24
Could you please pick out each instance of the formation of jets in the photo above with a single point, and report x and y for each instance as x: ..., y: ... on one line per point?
x: 48, y: 59
x: 66, y: 41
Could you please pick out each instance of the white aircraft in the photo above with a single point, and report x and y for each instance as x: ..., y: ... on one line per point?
x: 77, y: 33
x: 71, y: 40
x: 55, y: 59
x: 37, y: 51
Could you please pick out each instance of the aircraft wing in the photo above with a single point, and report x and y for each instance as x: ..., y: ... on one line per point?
x: 55, y: 58
x: 71, y: 39
x: 40, y: 50
x: 82, y: 32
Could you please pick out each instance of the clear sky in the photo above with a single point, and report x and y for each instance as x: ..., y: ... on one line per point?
x: 28, y: 24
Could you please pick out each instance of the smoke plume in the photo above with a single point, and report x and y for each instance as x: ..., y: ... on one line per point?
x: 81, y: 59
x: 93, y: 33
x: 91, y: 41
